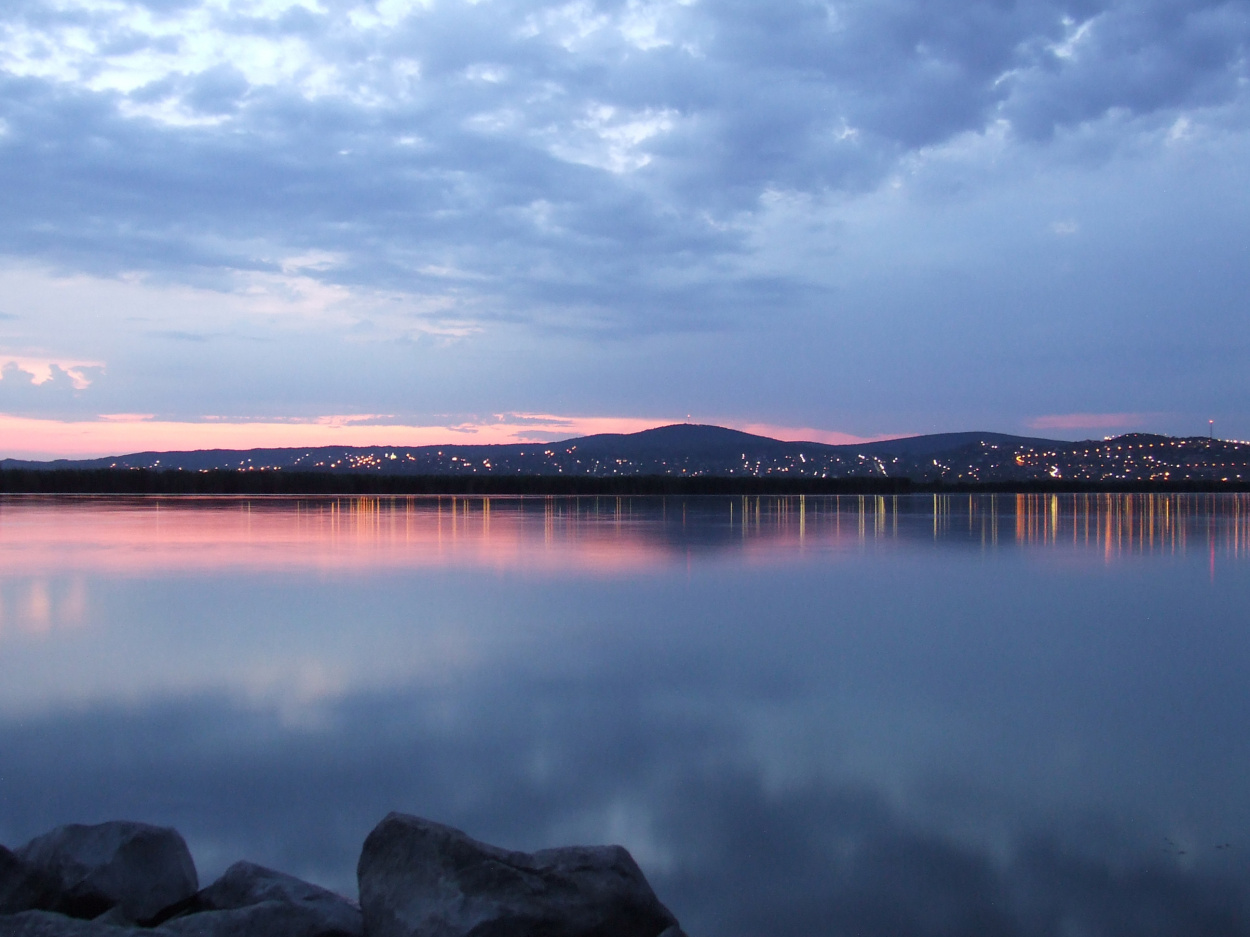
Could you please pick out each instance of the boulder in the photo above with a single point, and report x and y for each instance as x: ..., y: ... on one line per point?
x: 21, y: 887
x: 422, y: 879
x: 136, y: 869
x: 52, y: 924
x: 250, y: 899
x: 266, y: 919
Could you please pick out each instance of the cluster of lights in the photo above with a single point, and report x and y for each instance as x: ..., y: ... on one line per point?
x: 1123, y: 458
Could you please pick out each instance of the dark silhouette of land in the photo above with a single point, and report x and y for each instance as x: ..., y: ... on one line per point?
x: 677, y: 459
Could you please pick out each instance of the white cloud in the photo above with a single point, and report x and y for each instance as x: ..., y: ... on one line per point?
x: 1076, y: 34
x: 1182, y: 129
x: 610, y: 139
x: 42, y: 369
x: 481, y: 71
x: 643, y: 24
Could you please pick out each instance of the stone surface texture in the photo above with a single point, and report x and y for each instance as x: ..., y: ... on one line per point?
x: 250, y: 898
x: 52, y: 924
x: 266, y: 919
x: 417, y: 879
x: 422, y: 879
x: 136, y: 869
x: 21, y: 887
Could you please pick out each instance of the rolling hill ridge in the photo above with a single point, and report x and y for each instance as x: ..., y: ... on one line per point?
x: 693, y: 450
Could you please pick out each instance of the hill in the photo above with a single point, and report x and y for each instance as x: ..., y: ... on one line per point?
x: 692, y: 450
x: 677, y: 449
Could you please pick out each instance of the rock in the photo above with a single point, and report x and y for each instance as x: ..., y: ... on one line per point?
x: 250, y: 899
x: 135, y: 868
x: 266, y: 919
x: 21, y: 887
x: 422, y: 879
x: 51, y: 924
x: 246, y: 883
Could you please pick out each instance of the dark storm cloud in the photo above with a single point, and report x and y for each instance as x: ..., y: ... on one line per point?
x: 587, y: 162
x: 729, y: 853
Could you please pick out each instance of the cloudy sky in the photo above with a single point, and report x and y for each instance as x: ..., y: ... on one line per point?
x: 250, y: 222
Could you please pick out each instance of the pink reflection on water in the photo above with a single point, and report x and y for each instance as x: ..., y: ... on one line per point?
x: 145, y: 536
x: 605, y: 536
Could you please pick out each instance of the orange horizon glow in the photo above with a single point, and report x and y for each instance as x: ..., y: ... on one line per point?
x: 118, y: 434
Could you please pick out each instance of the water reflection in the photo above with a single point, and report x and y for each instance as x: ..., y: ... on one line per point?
x: 1134, y: 523
x: 37, y: 606
x: 806, y: 716
x: 594, y: 535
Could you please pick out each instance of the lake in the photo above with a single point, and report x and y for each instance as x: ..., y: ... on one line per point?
x: 804, y: 716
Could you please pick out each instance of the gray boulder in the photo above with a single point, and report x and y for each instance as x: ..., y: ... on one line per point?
x: 21, y: 887
x: 250, y: 899
x: 51, y: 924
x: 266, y: 919
x: 422, y: 879
x: 136, y: 869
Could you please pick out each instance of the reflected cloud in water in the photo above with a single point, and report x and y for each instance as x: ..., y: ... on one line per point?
x: 804, y: 716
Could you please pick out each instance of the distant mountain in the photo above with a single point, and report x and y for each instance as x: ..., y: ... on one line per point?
x: 688, y: 450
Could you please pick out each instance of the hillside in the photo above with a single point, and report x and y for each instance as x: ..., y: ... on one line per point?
x: 690, y: 450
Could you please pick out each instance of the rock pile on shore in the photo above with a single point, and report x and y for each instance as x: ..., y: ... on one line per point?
x: 417, y: 878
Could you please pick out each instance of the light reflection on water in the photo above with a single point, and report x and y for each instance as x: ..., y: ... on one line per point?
x: 605, y: 535
x: 807, y: 716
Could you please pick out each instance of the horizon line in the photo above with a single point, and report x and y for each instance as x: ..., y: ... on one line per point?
x: 121, y: 434
x: 117, y: 435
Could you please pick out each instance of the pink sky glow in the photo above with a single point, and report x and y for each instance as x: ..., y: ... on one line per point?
x: 122, y: 433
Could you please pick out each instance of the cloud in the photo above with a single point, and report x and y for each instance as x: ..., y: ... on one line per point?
x: 45, y: 388
x: 572, y: 154
x: 127, y: 417
x: 757, y: 185
x: 42, y: 370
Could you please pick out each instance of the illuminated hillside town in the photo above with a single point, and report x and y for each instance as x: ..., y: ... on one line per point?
x: 693, y: 451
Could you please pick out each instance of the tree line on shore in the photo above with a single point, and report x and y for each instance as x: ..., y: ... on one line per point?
x: 228, y: 482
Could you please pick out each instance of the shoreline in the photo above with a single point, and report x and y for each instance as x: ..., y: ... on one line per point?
x: 174, y: 482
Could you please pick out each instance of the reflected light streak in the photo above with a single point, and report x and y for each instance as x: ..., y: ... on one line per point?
x: 605, y: 536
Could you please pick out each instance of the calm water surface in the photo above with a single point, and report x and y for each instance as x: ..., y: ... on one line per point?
x: 803, y: 716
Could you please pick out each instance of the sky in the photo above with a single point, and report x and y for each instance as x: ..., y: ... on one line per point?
x: 264, y: 222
